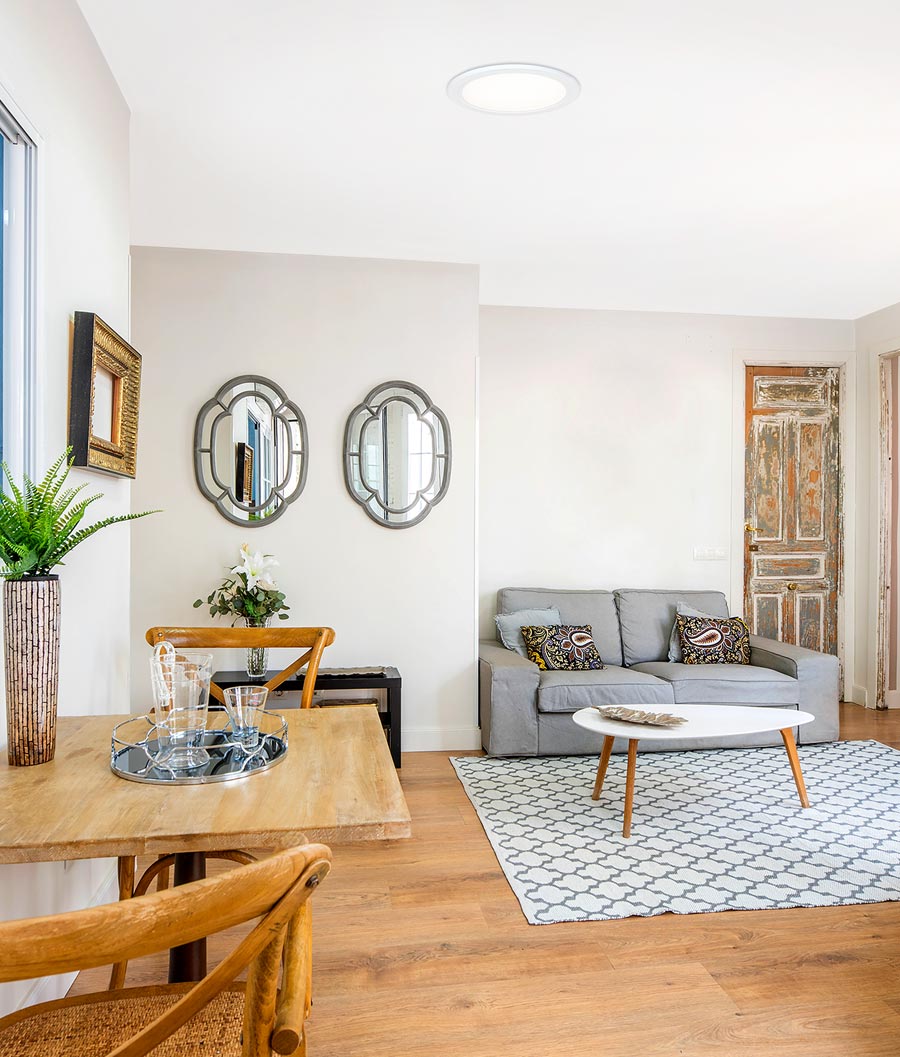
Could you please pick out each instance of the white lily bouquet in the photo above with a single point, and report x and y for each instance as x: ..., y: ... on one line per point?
x: 249, y: 593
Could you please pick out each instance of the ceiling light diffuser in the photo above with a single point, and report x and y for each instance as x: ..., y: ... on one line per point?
x: 513, y: 88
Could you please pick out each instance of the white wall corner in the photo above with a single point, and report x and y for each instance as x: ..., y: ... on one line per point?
x: 859, y: 695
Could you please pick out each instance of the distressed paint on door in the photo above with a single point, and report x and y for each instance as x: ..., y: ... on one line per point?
x: 793, y: 543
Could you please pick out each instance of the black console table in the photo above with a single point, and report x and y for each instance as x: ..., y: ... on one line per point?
x: 342, y: 679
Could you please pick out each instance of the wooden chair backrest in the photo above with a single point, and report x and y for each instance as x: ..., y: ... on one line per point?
x: 275, y: 890
x: 313, y: 640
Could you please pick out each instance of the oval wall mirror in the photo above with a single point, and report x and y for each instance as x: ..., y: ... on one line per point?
x: 397, y: 454
x: 250, y: 451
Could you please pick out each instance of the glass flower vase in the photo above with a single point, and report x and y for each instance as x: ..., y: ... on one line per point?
x: 257, y: 656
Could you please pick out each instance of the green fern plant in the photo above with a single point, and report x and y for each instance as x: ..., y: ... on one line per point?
x: 39, y: 523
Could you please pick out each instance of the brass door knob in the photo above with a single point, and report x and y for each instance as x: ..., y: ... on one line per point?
x: 792, y: 587
x: 750, y: 528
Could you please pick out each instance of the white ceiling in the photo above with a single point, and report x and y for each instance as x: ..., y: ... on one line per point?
x: 724, y: 156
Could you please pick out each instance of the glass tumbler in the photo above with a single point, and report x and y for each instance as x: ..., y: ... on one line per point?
x: 181, y: 696
x: 243, y: 704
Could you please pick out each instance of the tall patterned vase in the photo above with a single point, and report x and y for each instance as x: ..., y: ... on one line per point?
x: 31, y: 641
x: 257, y: 656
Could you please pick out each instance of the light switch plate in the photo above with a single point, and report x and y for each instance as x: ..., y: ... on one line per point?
x: 710, y: 554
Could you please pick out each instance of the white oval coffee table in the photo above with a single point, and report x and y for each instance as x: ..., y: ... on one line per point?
x: 703, y: 721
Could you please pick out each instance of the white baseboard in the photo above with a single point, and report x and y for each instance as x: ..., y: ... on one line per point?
x: 441, y: 739
x: 49, y: 988
x: 859, y: 695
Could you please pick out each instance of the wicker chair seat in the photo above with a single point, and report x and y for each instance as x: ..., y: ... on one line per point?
x: 92, y: 1025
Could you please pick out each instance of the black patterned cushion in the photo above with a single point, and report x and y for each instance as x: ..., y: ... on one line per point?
x: 708, y: 640
x: 562, y: 648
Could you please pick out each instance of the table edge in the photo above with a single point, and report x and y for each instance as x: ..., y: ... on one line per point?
x: 394, y: 829
x: 646, y: 732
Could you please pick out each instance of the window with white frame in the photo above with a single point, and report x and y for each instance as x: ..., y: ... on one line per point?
x: 17, y: 293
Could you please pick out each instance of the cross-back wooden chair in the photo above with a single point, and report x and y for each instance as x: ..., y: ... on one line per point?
x: 215, y: 1013
x: 312, y: 640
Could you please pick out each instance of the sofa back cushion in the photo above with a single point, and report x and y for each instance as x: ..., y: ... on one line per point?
x: 597, y: 608
x: 646, y: 619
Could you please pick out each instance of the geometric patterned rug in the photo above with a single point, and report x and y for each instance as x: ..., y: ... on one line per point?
x: 712, y: 830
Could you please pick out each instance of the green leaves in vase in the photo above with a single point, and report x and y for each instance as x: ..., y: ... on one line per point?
x: 39, y: 523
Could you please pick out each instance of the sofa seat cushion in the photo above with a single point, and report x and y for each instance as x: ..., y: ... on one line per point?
x: 736, y: 684
x: 612, y: 685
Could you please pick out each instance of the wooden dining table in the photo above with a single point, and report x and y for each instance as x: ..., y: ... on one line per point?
x: 337, y: 784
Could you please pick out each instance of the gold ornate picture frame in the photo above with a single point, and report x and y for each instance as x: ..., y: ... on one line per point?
x: 104, y: 398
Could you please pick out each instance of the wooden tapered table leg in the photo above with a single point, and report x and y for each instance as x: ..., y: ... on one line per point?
x: 787, y: 736
x: 601, y: 768
x: 629, y: 786
x: 126, y: 866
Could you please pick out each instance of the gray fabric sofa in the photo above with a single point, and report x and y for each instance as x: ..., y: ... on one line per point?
x: 527, y: 712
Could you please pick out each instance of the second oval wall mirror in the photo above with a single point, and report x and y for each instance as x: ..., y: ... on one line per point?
x: 250, y: 451
x: 397, y: 454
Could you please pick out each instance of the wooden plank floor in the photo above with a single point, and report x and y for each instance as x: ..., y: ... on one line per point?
x: 421, y: 949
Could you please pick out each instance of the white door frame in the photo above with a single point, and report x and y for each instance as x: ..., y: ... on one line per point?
x: 884, y: 698
x: 24, y: 420
x: 742, y: 358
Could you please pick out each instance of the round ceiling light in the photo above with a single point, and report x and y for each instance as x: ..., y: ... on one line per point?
x: 513, y: 88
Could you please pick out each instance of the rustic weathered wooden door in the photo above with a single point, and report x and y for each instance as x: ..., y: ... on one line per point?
x: 792, y: 538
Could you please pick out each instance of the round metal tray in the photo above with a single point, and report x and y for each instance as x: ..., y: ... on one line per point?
x: 135, y: 745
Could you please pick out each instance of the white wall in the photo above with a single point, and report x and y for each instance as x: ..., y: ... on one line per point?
x: 327, y: 330
x: 53, y: 73
x: 876, y: 335
x: 611, y: 445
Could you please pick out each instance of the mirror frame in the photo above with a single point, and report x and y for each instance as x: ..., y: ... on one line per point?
x: 422, y: 404
x: 225, y: 400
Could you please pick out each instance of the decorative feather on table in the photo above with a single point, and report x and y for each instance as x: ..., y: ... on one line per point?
x: 636, y: 715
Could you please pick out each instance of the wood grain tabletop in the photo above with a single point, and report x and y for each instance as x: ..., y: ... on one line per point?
x: 336, y: 785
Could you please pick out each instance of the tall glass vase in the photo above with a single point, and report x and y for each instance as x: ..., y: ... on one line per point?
x: 257, y: 656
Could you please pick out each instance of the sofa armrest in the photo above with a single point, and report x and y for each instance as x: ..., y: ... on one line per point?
x: 508, y: 686
x: 819, y: 675
x: 496, y: 654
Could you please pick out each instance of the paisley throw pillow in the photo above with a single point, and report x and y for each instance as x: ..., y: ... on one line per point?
x: 708, y: 640
x: 562, y: 648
